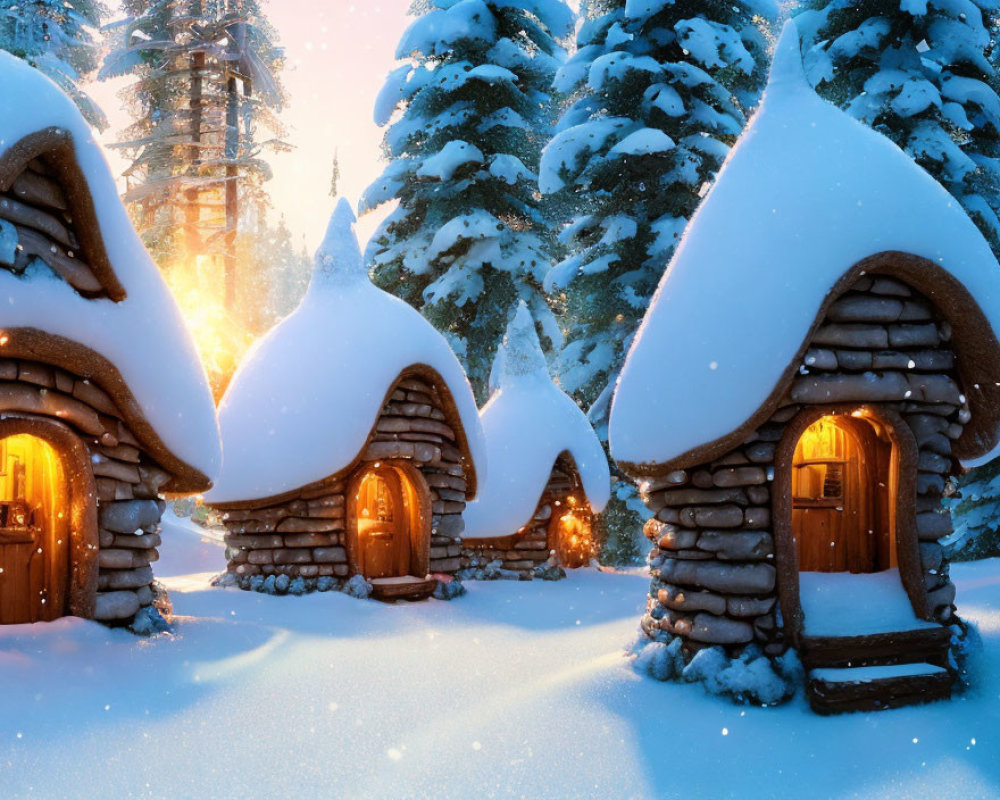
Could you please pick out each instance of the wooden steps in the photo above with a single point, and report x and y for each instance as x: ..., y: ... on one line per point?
x: 898, y: 647
x: 840, y: 689
x: 877, y: 671
x: 406, y: 587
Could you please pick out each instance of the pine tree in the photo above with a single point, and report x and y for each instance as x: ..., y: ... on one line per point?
x: 284, y: 270
x: 62, y: 39
x: 467, y: 116
x: 203, y: 101
x: 977, y: 515
x: 920, y: 72
x: 660, y: 91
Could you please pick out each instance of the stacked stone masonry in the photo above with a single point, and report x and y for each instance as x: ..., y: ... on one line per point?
x: 525, y: 550
x: 305, y: 536
x: 713, y: 556
x: 35, y: 209
x: 127, y: 480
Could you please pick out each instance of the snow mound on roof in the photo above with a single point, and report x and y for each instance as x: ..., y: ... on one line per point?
x: 302, y: 403
x: 144, y: 335
x: 806, y: 193
x: 528, y: 422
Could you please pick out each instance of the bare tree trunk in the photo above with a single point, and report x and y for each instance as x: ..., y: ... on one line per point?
x: 232, y: 198
x: 192, y: 209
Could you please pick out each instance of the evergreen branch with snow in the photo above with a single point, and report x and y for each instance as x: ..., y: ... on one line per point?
x: 466, y: 117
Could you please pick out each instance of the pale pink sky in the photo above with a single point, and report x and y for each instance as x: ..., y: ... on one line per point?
x: 338, y: 53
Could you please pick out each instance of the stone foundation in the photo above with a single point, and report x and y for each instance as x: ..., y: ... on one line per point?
x: 713, y: 562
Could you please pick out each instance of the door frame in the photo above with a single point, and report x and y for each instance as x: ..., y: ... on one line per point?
x: 417, y: 498
x: 84, y: 541
x: 907, y: 542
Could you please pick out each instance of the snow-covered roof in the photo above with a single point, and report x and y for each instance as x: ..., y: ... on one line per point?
x: 529, y: 422
x: 143, y: 335
x: 805, y: 195
x: 302, y: 404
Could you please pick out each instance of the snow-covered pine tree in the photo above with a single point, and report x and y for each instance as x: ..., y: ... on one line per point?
x: 921, y: 72
x: 284, y: 270
x: 203, y: 100
x: 203, y: 96
x: 661, y: 89
x: 62, y: 39
x: 468, y: 114
x: 977, y: 515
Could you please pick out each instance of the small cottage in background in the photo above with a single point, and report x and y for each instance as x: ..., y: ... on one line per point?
x: 819, y: 358
x: 352, y: 441
x: 103, y: 402
x: 548, y: 474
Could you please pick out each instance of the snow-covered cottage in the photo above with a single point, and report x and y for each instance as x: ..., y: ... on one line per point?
x: 352, y: 440
x: 548, y: 474
x: 821, y: 355
x: 103, y: 402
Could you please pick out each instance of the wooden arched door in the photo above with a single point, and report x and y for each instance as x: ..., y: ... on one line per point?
x: 383, y: 532
x: 389, y: 521
x: 842, y: 503
x: 35, y: 531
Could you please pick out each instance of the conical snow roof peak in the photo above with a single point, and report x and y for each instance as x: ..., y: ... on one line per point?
x: 303, y: 401
x: 338, y: 259
x: 529, y: 423
x: 787, y: 71
x: 522, y: 350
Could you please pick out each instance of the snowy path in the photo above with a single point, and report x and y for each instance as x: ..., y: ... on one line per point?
x: 517, y: 689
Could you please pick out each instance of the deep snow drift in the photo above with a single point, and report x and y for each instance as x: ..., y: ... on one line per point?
x: 517, y: 689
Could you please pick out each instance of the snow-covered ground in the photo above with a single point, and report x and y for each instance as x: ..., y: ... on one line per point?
x: 516, y: 689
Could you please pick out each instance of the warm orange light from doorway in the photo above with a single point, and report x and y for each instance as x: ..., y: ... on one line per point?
x: 34, y: 530
x: 819, y: 440
x: 576, y: 546
x: 31, y: 482
x: 843, y: 485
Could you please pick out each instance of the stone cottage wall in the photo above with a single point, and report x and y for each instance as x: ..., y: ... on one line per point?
x: 412, y: 425
x: 305, y: 536
x: 128, y: 482
x: 713, y: 556
x: 524, y: 551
